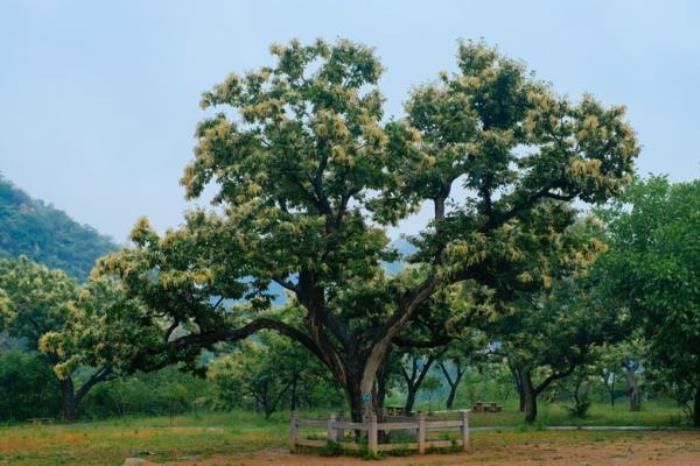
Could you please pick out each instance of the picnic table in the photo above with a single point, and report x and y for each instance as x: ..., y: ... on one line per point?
x: 394, y: 410
x: 41, y: 420
x: 487, y: 407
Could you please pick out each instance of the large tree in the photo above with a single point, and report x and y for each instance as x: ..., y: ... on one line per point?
x: 307, y: 178
x: 653, y: 269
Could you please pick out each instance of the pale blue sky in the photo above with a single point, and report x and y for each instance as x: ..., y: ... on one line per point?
x: 98, y: 100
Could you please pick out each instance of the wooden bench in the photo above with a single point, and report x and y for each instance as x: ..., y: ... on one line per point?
x: 486, y: 407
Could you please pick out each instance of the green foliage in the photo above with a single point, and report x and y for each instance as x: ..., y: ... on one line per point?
x: 271, y: 373
x: 580, y: 408
x: 332, y: 448
x: 93, y: 325
x: 308, y: 177
x: 165, y: 392
x: 653, y: 270
x: 34, y: 299
x: 47, y: 235
x: 28, y: 387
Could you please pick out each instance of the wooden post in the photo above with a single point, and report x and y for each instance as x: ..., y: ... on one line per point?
x: 293, y: 431
x: 421, y: 433
x: 332, y: 434
x: 339, y: 431
x: 465, y: 429
x: 372, y: 441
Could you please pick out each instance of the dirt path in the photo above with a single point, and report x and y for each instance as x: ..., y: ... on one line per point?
x: 657, y: 448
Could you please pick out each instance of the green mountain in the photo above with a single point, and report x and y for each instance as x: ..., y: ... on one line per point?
x: 47, y: 235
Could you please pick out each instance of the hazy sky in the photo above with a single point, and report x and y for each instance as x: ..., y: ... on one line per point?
x: 99, y: 100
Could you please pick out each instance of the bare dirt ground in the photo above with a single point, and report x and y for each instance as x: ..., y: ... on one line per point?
x: 654, y: 448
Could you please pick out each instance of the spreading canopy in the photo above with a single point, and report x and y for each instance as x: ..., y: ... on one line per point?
x: 307, y: 177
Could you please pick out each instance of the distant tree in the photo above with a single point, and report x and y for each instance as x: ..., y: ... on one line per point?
x: 578, y: 386
x: 308, y: 179
x: 98, y: 340
x: 608, y: 365
x: 460, y: 354
x: 75, y: 327
x: 415, y: 369
x: 553, y: 331
x: 268, y: 373
x: 632, y: 353
x: 165, y: 392
x: 653, y: 270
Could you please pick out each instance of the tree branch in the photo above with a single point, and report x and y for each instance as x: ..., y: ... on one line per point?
x: 195, y: 342
x: 552, y: 377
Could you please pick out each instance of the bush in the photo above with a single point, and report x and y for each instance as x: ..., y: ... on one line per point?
x: 28, y: 386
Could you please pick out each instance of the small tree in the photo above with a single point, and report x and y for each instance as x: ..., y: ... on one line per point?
x: 266, y: 374
x: 578, y: 387
x: 555, y: 330
x: 74, y: 326
x: 414, y: 369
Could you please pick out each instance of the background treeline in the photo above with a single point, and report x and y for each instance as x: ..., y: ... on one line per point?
x: 576, y: 345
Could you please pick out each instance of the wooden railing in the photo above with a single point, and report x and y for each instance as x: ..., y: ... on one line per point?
x: 333, y: 431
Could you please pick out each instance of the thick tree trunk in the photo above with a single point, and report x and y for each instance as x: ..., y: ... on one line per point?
x: 353, y: 395
x: 696, y: 409
x: 383, y: 380
x: 518, y: 387
x: 69, y: 402
x: 381, y: 391
x: 529, y: 398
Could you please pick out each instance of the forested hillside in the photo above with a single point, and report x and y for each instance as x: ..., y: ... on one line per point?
x: 46, y: 234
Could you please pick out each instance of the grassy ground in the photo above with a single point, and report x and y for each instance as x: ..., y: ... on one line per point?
x: 656, y: 413
x: 168, y: 439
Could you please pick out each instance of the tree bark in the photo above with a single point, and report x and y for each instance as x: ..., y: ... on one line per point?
x: 518, y: 387
x: 415, y: 380
x: 529, y: 399
x: 69, y: 402
x: 382, y: 380
x: 353, y: 395
x: 410, y: 399
x: 454, y: 384
x: 696, y: 409
x: 451, y: 397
